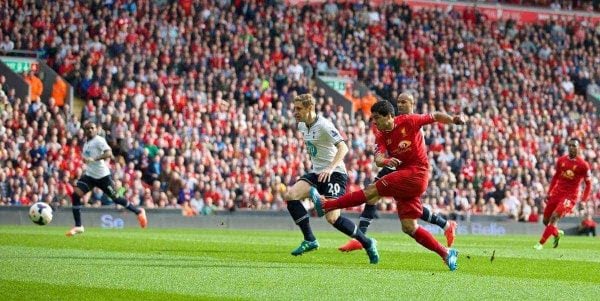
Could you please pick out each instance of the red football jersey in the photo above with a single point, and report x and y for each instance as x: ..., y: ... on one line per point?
x: 568, y: 177
x: 405, y: 141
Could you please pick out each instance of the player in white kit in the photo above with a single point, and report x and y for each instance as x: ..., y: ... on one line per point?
x: 326, y: 149
x: 97, y: 174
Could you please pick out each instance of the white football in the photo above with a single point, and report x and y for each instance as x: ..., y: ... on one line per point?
x: 40, y: 213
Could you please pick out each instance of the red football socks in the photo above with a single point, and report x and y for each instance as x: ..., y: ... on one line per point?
x: 427, y: 240
x: 348, y: 200
x: 549, y: 231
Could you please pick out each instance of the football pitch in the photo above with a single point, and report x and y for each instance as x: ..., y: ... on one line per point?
x: 40, y: 263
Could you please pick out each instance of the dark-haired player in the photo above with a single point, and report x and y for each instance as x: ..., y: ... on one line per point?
x: 571, y: 169
x: 400, y: 144
x: 369, y: 211
x: 97, y: 174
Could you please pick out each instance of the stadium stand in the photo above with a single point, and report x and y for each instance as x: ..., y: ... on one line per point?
x: 195, y: 99
x: 583, y: 5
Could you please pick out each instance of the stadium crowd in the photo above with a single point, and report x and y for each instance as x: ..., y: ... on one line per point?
x: 194, y: 97
x: 582, y: 5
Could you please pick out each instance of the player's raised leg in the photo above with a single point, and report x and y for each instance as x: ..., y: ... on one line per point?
x: 449, y: 227
x: 107, y: 185
x: 366, y: 217
x: 352, y: 199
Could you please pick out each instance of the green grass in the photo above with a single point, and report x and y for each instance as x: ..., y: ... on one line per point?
x: 40, y: 263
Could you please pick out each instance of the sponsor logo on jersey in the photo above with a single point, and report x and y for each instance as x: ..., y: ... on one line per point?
x: 404, y: 145
x: 569, y: 174
x: 311, y: 149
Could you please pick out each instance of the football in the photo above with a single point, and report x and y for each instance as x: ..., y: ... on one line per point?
x: 40, y: 213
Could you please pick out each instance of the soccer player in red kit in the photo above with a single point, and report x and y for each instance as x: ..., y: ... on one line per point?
x: 369, y: 211
x: 564, y: 190
x: 400, y: 144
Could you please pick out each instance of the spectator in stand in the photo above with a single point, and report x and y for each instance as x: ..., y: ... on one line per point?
x: 36, y: 87
x: 60, y: 90
x: 6, y: 44
x: 555, y: 4
x: 587, y: 226
x: 148, y: 72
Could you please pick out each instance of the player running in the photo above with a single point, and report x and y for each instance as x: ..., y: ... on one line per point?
x: 369, y: 211
x: 400, y: 144
x: 97, y: 174
x: 326, y: 149
x: 564, y: 190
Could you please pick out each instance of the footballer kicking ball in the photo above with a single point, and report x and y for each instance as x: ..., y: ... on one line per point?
x: 40, y: 213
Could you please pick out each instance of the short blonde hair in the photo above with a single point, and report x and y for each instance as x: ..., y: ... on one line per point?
x: 306, y: 100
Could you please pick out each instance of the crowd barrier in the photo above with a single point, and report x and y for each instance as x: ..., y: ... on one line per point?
x: 109, y: 218
x: 521, y: 14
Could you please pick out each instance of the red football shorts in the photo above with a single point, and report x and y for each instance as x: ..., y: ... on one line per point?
x: 559, y: 204
x: 406, y: 187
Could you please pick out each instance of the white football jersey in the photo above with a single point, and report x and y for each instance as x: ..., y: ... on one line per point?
x: 92, y: 149
x: 321, y: 140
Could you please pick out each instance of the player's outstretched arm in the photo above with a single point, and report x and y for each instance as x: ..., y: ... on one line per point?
x: 447, y: 119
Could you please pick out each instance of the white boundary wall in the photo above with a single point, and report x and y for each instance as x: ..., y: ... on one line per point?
x: 110, y: 218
